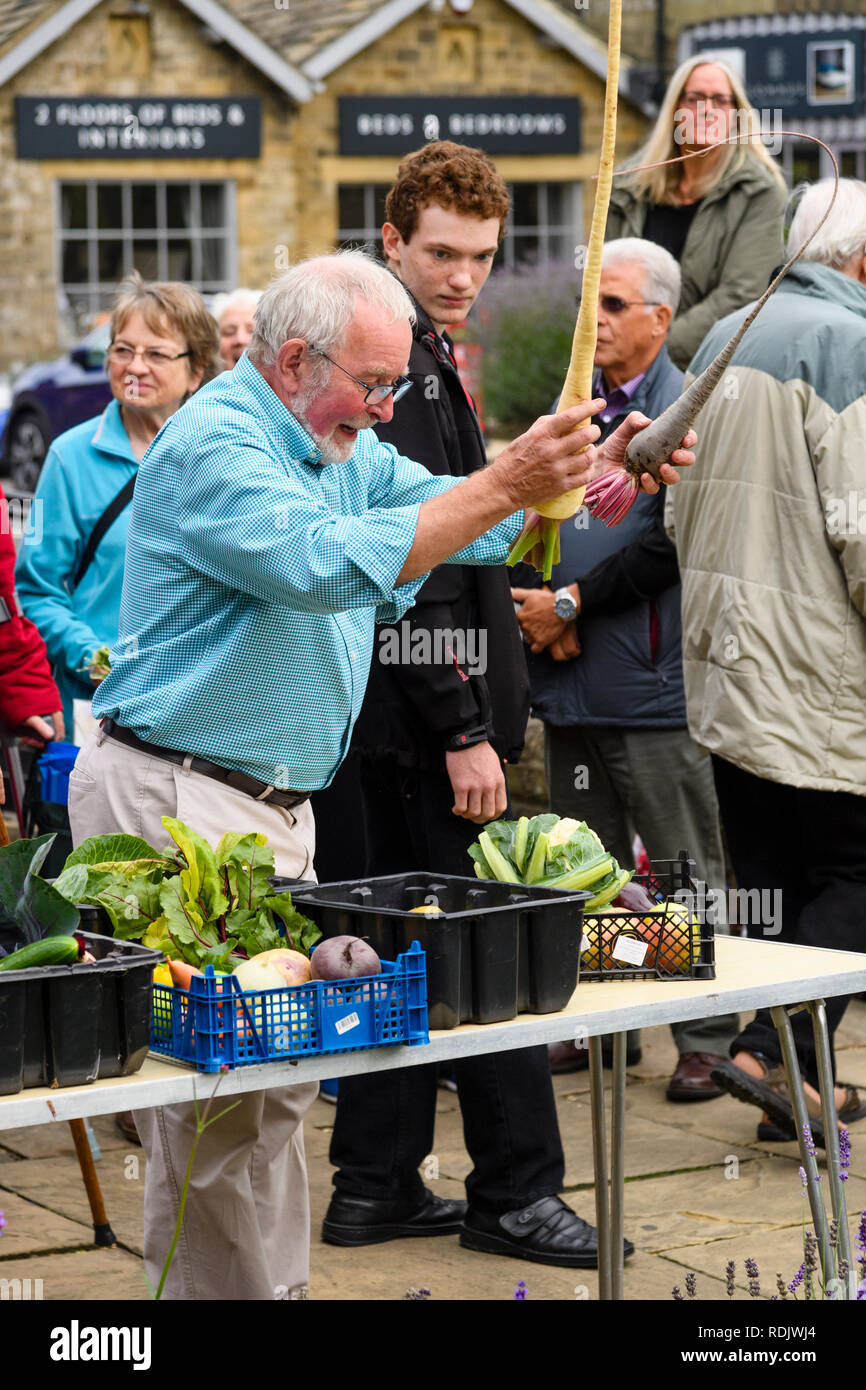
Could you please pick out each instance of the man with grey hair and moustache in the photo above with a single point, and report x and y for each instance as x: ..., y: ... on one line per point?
x: 605, y: 653
x: 246, y: 633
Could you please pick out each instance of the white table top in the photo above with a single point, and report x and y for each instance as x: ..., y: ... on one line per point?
x: 750, y: 975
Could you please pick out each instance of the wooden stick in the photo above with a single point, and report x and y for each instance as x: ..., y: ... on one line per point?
x: 102, y: 1232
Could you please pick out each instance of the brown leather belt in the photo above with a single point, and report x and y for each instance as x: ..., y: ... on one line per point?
x: 260, y: 791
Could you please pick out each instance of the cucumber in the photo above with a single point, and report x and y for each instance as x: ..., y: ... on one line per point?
x: 51, y: 950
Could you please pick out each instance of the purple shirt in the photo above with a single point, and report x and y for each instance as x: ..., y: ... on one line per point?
x: 616, y: 399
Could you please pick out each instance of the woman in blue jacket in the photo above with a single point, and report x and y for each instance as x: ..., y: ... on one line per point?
x: 164, y: 344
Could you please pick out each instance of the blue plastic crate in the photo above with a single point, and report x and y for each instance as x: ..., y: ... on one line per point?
x: 215, y: 1023
x: 55, y: 765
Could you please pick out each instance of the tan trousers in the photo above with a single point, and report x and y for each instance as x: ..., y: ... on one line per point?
x: 246, y: 1228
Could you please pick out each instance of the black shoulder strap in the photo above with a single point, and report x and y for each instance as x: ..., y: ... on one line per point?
x: 109, y: 516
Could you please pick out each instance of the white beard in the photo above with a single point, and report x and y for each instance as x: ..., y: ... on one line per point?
x: 333, y: 449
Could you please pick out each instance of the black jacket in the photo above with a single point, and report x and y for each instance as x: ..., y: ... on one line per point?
x: 623, y: 572
x: 411, y: 710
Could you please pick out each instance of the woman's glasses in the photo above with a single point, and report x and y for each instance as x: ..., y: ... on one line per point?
x: 124, y: 354
x: 717, y: 99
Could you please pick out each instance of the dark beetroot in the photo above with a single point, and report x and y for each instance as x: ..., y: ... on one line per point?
x: 343, y: 958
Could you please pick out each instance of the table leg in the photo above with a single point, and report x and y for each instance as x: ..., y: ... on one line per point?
x: 599, y: 1164
x: 801, y: 1119
x: 831, y: 1138
x: 617, y: 1164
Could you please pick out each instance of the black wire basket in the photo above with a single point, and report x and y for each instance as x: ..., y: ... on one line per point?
x: 673, y: 942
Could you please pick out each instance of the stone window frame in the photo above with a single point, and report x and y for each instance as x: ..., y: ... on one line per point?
x: 92, y: 296
x: 569, y: 233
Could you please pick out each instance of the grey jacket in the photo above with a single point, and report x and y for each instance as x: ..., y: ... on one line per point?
x: 770, y: 529
x: 734, y: 242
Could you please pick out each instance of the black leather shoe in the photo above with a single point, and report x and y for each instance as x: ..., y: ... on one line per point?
x: 369, y: 1221
x: 547, y: 1232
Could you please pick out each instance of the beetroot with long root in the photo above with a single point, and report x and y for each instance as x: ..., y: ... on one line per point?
x: 612, y: 496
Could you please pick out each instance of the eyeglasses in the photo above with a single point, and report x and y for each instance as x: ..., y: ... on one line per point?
x: 373, y: 395
x: 612, y: 304
x: 719, y: 99
x: 123, y: 354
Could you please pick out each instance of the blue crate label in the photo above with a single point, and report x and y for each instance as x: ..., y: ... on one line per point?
x: 343, y: 1025
x: 627, y: 949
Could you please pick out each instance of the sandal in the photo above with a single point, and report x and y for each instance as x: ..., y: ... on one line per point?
x: 852, y: 1109
x: 770, y: 1092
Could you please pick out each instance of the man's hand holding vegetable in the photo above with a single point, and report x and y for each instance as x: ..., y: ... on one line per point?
x: 553, y: 457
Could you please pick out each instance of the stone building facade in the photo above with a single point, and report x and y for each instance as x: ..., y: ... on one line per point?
x: 118, y: 148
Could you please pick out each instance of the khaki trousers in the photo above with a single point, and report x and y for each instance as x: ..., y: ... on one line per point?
x: 246, y: 1227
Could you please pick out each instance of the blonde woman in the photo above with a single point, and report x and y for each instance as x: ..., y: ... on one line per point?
x: 719, y: 216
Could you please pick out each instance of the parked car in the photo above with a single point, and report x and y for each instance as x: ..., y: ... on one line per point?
x: 48, y: 398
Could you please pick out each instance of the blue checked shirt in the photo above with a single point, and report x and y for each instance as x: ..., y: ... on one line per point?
x: 254, y: 577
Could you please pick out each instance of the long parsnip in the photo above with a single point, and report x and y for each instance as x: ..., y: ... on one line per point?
x: 539, y: 540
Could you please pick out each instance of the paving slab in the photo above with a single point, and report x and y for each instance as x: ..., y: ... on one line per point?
x: 54, y: 1185
x: 774, y: 1251
x: 81, y: 1278
x: 49, y: 1140
x: 32, y: 1228
x: 763, y: 1194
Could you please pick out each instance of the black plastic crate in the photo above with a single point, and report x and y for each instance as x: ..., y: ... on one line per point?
x: 495, y: 949
x: 67, y: 1025
x: 674, y: 949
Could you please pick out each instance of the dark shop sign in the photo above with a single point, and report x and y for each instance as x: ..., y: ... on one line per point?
x: 804, y: 65
x: 137, y: 127
x: 499, y: 125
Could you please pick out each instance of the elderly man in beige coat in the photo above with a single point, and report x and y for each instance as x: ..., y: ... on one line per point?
x: 771, y: 537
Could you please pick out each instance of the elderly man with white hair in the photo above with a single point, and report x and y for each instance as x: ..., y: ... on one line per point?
x: 771, y: 538
x: 270, y: 531
x: 605, y: 658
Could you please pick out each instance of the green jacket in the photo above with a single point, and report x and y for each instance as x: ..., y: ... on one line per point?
x: 733, y: 244
x: 770, y: 530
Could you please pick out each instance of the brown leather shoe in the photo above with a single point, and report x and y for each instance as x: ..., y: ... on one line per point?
x: 565, y: 1056
x: 692, y: 1080
x: 126, y: 1124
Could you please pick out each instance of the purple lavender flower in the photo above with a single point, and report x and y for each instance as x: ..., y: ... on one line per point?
x: 803, y: 1178
x: 677, y: 1294
x: 754, y: 1277
x: 3, y: 1221
x: 844, y: 1154
x: 781, y: 1286
x: 520, y: 1291
x: 691, y: 1284
x: 730, y: 1271
x: 810, y: 1143
x: 797, y: 1279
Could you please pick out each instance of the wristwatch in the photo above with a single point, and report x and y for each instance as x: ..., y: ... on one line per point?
x: 564, y: 605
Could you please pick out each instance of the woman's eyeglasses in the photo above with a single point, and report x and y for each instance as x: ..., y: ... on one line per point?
x: 717, y: 99
x: 123, y: 354
x: 612, y: 304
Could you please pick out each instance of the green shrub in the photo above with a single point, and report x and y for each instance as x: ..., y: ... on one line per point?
x: 524, y: 322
